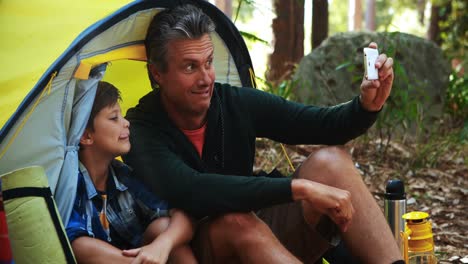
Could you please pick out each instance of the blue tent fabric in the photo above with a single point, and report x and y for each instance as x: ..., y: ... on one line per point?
x: 85, y: 92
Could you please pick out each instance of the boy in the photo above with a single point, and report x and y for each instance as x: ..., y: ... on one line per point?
x: 113, y: 213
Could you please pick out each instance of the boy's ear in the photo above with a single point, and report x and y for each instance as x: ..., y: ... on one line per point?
x: 86, y: 138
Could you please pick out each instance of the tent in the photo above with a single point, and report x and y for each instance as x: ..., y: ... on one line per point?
x: 28, y: 31
x: 45, y: 128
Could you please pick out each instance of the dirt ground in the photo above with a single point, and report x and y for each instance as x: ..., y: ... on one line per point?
x: 438, y: 186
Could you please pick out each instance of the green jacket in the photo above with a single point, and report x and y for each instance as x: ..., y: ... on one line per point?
x: 222, y: 180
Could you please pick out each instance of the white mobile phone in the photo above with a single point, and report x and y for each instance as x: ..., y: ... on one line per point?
x: 370, y: 56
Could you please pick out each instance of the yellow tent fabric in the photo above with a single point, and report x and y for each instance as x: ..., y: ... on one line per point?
x: 34, y: 34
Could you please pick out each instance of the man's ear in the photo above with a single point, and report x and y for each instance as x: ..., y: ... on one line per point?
x: 154, y: 71
x: 86, y: 139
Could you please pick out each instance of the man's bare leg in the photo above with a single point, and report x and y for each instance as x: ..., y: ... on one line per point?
x: 243, y: 238
x: 369, y: 237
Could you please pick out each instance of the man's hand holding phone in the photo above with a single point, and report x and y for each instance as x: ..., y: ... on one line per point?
x: 378, y: 79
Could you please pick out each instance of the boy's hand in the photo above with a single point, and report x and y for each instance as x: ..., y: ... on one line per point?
x: 374, y: 93
x: 154, y: 253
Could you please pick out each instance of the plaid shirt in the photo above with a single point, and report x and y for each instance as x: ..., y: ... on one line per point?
x: 129, y: 208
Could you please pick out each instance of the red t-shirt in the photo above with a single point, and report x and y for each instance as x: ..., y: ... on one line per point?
x: 197, y: 137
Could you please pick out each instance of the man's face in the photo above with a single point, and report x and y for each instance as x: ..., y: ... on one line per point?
x: 111, y: 133
x: 187, y: 85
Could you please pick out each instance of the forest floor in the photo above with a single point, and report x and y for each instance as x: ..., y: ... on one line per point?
x: 435, y: 177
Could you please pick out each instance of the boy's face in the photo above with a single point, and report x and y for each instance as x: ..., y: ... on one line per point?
x: 111, y: 135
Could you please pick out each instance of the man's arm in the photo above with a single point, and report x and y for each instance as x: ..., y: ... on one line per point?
x: 91, y: 250
x: 295, y: 123
x: 199, y: 194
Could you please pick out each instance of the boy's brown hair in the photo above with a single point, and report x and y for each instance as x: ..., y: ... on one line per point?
x: 106, y: 95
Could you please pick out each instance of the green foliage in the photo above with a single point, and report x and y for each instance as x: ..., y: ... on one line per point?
x: 455, y: 31
x: 252, y: 37
x: 403, y: 109
x: 386, y: 11
x: 457, y: 96
x: 283, y: 89
x: 338, y: 16
x: 454, y: 35
x: 244, y: 10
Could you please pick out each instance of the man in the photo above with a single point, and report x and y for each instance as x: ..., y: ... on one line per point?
x: 194, y: 143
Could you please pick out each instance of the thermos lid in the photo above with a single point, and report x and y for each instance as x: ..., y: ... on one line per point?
x: 395, y: 190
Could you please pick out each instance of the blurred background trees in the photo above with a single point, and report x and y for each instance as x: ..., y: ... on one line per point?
x: 288, y: 30
x: 311, y: 51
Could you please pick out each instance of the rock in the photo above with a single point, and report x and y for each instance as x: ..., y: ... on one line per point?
x: 333, y: 72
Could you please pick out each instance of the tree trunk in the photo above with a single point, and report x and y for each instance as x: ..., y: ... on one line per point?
x: 434, y: 31
x: 370, y: 15
x: 225, y: 6
x: 421, y: 4
x: 288, y: 32
x: 319, y: 22
x: 355, y: 15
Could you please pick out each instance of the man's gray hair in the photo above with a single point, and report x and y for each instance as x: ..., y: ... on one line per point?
x: 181, y: 22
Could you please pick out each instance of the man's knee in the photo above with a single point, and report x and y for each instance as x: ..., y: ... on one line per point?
x: 241, y: 222
x: 155, y: 229
x: 241, y: 228
x: 329, y: 156
x: 327, y: 165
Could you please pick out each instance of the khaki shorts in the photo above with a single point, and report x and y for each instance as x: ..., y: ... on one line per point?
x: 287, y: 223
